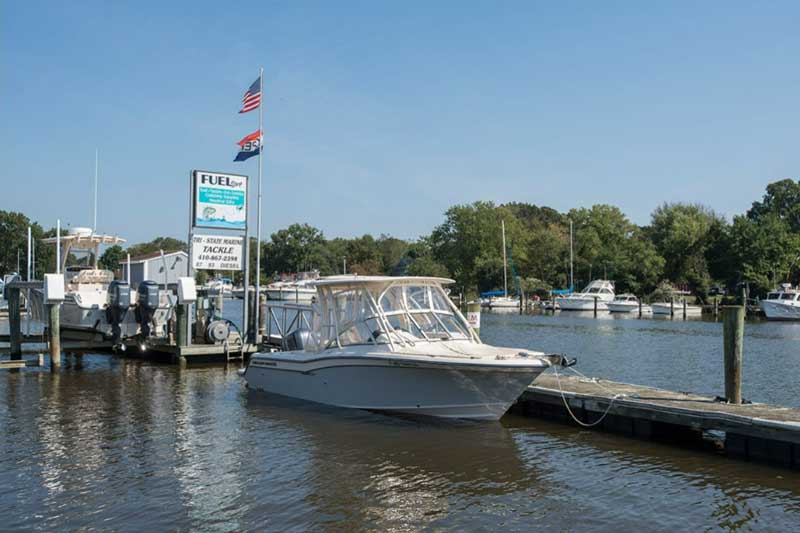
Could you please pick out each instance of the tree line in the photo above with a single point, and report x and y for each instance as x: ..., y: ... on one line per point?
x: 684, y: 244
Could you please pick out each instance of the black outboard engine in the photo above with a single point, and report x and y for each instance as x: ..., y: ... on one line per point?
x: 147, y: 304
x: 119, y: 301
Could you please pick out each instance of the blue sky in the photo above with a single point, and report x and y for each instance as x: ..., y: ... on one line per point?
x: 380, y: 115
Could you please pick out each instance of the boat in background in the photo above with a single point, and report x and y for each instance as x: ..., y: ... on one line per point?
x: 667, y: 308
x: 223, y: 285
x: 782, y: 304
x: 294, y: 287
x: 398, y: 345
x: 627, y: 303
x: 600, y: 289
x: 84, y: 313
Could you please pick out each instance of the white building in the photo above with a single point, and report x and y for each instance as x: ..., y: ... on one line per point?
x: 153, y: 267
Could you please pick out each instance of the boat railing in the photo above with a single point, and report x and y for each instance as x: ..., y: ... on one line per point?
x: 283, y: 318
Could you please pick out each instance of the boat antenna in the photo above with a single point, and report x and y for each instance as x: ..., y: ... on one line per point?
x: 96, y: 157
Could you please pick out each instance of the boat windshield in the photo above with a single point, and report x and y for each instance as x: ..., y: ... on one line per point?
x: 788, y: 296
x: 387, y: 313
x: 774, y: 296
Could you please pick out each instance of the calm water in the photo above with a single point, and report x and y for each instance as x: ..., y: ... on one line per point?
x: 113, y: 444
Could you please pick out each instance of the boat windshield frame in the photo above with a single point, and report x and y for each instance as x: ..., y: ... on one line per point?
x: 392, y: 313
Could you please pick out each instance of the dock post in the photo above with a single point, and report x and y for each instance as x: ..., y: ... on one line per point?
x: 684, y: 308
x: 733, y: 338
x: 716, y: 307
x: 672, y: 307
x: 595, y: 306
x: 252, y: 301
x: 14, y: 323
x: 262, y: 317
x: 200, y: 317
x: 182, y: 324
x: 474, y: 316
x: 54, y: 335
x: 640, y: 307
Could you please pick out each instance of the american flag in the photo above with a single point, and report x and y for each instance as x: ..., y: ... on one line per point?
x: 252, y: 97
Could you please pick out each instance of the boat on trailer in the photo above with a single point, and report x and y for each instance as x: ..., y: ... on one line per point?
x: 399, y: 345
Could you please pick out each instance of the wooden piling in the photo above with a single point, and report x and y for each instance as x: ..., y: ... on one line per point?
x: 182, y: 324
x: 595, y: 306
x: 54, y: 334
x: 262, y: 317
x: 684, y: 308
x: 200, y: 317
x: 14, y: 323
x: 733, y: 339
x: 640, y: 307
x: 250, y: 328
x: 672, y: 307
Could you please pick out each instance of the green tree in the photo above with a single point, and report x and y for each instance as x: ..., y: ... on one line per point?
x: 168, y: 244
x: 766, y: 251
x: 300, y: 247
x: 684, y: 235
x: 112, y: 258
x: 782, y: 200
x: 608, y: 245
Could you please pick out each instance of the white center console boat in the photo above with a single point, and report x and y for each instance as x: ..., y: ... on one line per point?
x: 396, y: 344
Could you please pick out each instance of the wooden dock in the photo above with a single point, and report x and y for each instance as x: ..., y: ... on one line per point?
x: 756, y: 432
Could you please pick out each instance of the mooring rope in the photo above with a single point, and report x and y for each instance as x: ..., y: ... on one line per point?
x: 614, y: 398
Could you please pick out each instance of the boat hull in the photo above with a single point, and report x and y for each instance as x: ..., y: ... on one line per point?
x: 628, y: 308
x: 774, y: 310
x: 483, y: 392
x: 665, y: 309
x: 581, y: 304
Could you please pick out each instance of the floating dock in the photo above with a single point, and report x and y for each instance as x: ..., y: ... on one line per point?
x: 753, y: 431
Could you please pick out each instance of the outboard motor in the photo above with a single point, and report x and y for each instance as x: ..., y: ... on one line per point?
x: 147, y: 304
x: 119, y: 301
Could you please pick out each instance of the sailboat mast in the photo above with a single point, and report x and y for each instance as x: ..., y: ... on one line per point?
x: 571, y: 281
x: 505, y: 264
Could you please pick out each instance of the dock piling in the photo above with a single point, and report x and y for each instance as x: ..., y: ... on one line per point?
x: 672, y: 307
x: 733, y: 335
x: 14, y: 323
x: 54, y: 334
x: 595, y: 306
x: 684, y: 308
x: 182, y: 324
x: 640, y: 307
x: 262, y: 317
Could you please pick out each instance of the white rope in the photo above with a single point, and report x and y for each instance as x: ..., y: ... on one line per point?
x: 614, y: 398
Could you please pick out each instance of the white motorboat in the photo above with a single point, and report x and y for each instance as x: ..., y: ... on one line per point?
x: 782, y: 304
x: 667, y: 308
x: 627, y: 303
x: 224, y: 286
x: 300, y: 291
x: 84, y: 311
x: 501, y: 302
x: 396, y: 344
x: 600, y: 289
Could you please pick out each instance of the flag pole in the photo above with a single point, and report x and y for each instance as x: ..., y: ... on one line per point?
x: 257, y: 310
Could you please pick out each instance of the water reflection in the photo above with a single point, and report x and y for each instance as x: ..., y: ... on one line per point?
x: 128, y: 445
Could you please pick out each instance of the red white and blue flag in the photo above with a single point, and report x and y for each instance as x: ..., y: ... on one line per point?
x: 252, y: 97
x: 249, y: 146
